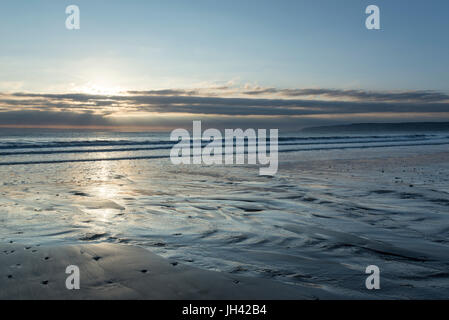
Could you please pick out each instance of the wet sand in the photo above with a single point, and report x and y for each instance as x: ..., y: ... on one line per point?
x: 317, y: 224
x: 111, y: 271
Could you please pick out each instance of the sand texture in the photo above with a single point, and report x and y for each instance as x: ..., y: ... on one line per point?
x: 110, y: 271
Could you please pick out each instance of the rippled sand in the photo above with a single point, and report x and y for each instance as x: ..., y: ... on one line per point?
x: 319, y: 222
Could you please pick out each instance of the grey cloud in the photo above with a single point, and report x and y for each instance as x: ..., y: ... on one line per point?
x: 89, y: 109
x: 46, y: 118
x: 423, y: 95
x: 220, y: 105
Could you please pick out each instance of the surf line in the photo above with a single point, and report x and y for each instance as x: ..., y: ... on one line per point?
x: 212, y: 153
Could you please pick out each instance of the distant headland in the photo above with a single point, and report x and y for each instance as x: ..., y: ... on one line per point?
x: 384, y: 127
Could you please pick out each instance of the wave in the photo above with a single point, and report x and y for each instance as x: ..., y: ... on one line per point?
x: 371, y: 146
x: 411, y: 136
x: 167, y: 156
x: 165, y: 144
x: 169, y: 146
x: 86, y: 143
x: 106, y: 143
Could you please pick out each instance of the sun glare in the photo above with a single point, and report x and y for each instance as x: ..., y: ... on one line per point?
x: 99, y: 88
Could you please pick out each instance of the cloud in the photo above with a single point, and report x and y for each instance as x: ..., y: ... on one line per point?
x: 168, y: 107
x: 423, y: 96
x: 166, y: 92
x: 46, y: 118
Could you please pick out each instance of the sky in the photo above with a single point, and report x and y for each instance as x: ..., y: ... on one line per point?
x: 157, y: 65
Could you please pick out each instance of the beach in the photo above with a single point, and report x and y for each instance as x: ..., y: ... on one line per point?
x: 109, y: 271
x: 224, y: 150
x: 312, y: 229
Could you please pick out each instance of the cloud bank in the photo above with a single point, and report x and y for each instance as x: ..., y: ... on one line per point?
x: 221, y: 107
